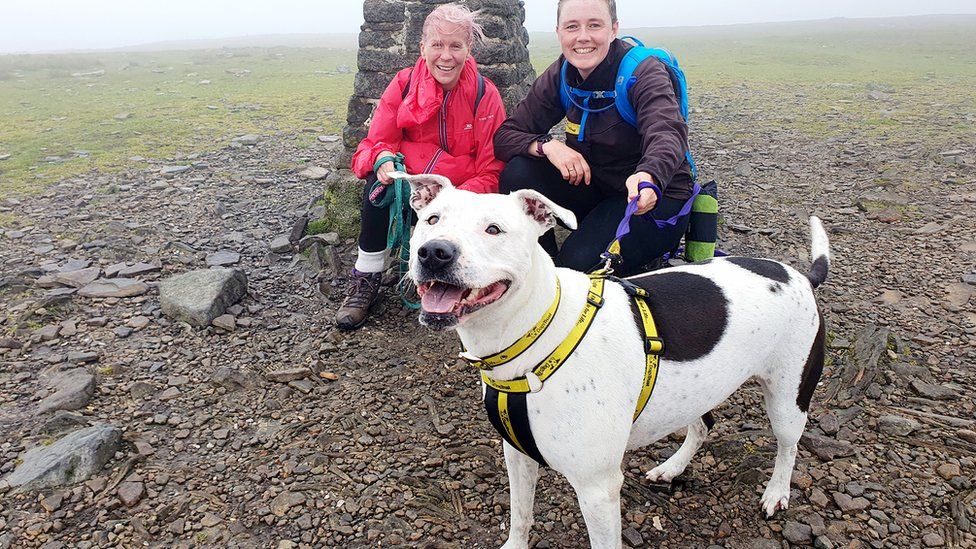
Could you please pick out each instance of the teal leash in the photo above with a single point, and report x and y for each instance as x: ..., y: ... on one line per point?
x: 398, y: 237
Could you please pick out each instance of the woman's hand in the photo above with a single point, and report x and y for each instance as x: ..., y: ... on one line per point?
x: 570, y: 163
x: 383, y: 173
x: 648, y: 198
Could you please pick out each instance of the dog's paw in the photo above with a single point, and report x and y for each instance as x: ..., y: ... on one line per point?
x: 775, y: 500
x: 665, y: 472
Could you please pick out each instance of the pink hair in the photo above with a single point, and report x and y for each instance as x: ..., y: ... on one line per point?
x: 451, y: 18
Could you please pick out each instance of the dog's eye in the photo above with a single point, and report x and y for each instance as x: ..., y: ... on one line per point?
x: 493, y: 229
x: 432, y: 220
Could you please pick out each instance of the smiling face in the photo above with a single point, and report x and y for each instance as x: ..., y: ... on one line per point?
x: 470, y: 251
x: 445, y: 54
x: 585, y: 31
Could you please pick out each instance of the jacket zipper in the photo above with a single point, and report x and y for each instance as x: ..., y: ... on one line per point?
x: 442, y: 121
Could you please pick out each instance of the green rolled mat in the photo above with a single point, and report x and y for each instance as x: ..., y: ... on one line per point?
x: 703, y: 225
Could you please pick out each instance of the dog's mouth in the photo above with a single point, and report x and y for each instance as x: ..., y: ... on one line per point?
x: 443, y: 298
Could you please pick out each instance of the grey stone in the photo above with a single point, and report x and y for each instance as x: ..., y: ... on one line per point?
x: 223, y: 258
x: 823, y: 542
x: 314, y: 173
x: 225, y: 322
x: 934, y: 391
x: 116, y: 287
x: 198, y: 297
x: 285, y: 501
x: 83, y: 357
x: 131, y: 492
x: 71, y: 459
x: 140, y: 269
x: 47, y: 333
x: 797, y: 533
x: 62, y: 421
x: 897, y: 425
x: 249, y: 139
x: 633, y: 537
x: 280, y: 245
x: 74, y: 265
x: 847, y: 504
x: 827, y: 448
x: 231, y: 379
x: 284, y: 376
x: 79, y: 278
x: 74, y: 389
x: 169, y: 171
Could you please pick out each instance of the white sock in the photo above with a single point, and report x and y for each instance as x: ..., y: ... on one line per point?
x: 371, y: 262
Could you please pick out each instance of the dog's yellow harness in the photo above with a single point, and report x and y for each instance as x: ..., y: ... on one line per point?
x: 505, y: 399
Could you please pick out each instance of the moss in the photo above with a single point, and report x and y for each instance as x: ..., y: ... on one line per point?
x: 342, y: 204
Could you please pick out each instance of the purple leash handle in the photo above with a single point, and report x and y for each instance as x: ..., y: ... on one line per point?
x: 623, y: 229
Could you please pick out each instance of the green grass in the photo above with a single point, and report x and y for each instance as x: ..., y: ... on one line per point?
x: 49, y: 113
x: 811, y: 78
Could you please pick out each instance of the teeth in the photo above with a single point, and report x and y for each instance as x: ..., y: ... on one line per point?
x: 584, y: 50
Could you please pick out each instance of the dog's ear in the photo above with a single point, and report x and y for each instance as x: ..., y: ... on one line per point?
x: 543, y: 211
x: 424, y: 187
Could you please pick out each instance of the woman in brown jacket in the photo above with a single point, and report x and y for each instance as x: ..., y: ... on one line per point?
x: 597, y: 170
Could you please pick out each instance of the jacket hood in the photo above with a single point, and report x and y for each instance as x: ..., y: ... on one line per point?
x: 426, y: 94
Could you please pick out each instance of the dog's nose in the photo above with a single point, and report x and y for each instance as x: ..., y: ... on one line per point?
x: 437, y: 254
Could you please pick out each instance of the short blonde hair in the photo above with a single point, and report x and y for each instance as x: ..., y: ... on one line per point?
x: 450, y: 18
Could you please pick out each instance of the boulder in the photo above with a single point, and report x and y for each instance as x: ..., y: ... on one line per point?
x: 198, y: 297
x: 71, y: 459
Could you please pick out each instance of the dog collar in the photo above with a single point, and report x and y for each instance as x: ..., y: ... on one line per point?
x: 555, y: 359
x: 515, y: 349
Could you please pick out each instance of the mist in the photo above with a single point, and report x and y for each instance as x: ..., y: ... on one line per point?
x: 64, y: 25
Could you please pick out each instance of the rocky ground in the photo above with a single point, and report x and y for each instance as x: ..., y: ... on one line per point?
x: 271, y: 429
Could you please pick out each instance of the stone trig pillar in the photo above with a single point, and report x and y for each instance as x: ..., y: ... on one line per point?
x: 390, y: 40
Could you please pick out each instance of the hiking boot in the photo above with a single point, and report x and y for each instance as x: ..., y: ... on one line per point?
x: 361, y: 294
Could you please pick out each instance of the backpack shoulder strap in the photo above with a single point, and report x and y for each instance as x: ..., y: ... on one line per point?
x: 481, y: 93
x: 625, y: 79
x: 406, y: 89
x: 563, y: 87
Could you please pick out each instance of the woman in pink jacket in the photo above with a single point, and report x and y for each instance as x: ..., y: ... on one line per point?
x: 441, y: 115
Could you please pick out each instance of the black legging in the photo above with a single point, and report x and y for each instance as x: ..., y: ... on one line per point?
x: 598, y: 212
x: 374, y: 221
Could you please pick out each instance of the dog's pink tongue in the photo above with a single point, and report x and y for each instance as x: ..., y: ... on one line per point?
x: 441, y: 298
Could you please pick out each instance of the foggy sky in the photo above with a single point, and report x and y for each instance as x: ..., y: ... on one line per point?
x: 55, y: 25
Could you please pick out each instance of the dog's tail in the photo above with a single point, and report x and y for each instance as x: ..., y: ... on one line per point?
x: 819, y: 252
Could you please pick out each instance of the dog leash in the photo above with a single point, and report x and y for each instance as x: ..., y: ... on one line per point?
x: 612, y: 255
x: 398, y: 236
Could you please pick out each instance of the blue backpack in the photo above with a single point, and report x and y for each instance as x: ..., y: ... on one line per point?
x: 569, y: 95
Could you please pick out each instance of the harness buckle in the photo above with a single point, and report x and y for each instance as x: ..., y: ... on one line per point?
x: 594, y: 299
x: 608, y: 260
x: 653, y: 345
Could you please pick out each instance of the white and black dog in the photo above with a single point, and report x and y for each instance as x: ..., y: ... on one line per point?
x: 480, y: 271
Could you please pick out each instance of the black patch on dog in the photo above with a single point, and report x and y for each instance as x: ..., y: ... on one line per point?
x: 762, y: 267
x: 690, y: 312
x: 708, y: 420
x: 818, y: 271
x: 812, y: 369
x: 774, y: 288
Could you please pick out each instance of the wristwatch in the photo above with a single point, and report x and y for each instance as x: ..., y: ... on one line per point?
x: 540, y: 142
